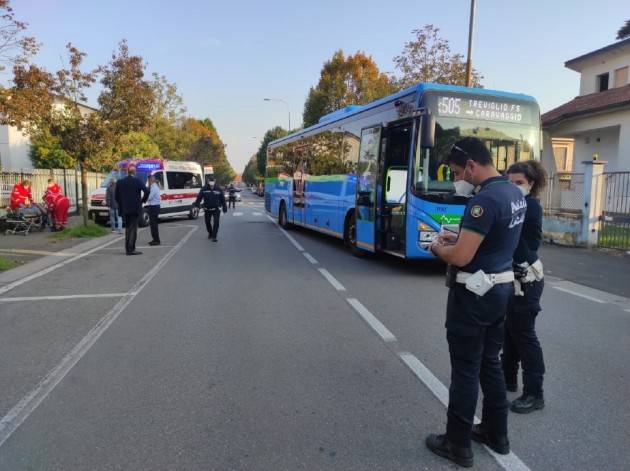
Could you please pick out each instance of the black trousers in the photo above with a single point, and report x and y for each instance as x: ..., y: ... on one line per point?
x: 521, y: 342
x: 131, y: 232
x: 154, y: 212
x: 211, y: 217
x: 475, y: 332
x: 232, y: 202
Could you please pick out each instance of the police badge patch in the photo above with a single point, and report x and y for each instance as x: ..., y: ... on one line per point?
x: 476, y: 211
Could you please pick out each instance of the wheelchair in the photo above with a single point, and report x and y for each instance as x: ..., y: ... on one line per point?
x: 18, y: 223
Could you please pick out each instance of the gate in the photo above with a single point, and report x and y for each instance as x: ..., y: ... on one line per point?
x: 615, y: 219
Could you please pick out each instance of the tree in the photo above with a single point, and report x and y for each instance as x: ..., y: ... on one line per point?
x: 15, y: 47
x: 46, y: 151
x: 344, y: 81
x: 250, y: 174
x: 428, y: 58
x: 167, y: 103
x: 127, y: 100
x: 208, y: 149
x: 137, y: 144
x: 624, y: 31
x: 261, y: 155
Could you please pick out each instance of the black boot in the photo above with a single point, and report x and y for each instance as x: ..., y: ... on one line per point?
x: 527, y: 403
x: 498, y: 443
x: 441, y: 446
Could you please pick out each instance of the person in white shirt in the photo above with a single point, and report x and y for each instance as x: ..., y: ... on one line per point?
x: 153, y: 207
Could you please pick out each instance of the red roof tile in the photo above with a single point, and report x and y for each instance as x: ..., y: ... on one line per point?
x: 613, y: 98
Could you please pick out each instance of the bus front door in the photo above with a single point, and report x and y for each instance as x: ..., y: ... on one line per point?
x: 367, y: 173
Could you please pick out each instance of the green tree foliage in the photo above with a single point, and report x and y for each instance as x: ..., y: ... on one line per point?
x: 127, y: 101
x: 208, y: 149
x: 137, y: 144
x: 428, y: 58
x: 250, y: 174
x: 343, y: 81
x: 624, y: 31
x: 46, y: 151
x: 261, y: 155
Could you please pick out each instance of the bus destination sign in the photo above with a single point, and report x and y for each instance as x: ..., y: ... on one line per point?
x: 484, y: 108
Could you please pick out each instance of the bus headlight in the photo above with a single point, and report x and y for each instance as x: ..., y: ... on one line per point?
x: 426, y: 234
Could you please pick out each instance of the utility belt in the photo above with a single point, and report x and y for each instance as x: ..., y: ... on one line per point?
x: 479, y: 282
x: 526, y: 273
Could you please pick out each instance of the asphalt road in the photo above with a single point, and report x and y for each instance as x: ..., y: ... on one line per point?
x: 274, y: 351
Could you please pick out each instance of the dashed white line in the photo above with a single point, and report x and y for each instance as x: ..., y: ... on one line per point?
x: 25, y: 407
x: 295, y: 243
x: 237, y: 214
x: 331, y: 279
x: 310, y: 258
x: 581, y: 295
x: 62, y: 297
x: 373, y: 322
x: 257, y: 214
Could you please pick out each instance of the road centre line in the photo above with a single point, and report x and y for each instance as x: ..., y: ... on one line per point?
x: 256, y: 214
x: 310, y: 258
x: 62, y: 297
x: 45, y: 271
x: 23, y: 409
x: 373, y: 322
x: 581, y: 295
x: 331, y: 279
x: 237, y: 214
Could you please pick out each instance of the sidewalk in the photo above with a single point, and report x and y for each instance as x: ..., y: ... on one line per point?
x: 603, y: 270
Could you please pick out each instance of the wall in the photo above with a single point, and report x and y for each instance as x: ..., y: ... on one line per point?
x: 588, y: 78
x: 14, y: 148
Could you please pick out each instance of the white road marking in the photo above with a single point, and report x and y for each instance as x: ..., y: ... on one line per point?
x: 581, y: 295
x: 37, y: 252
x: 21, y: 411
x: 237, y: 214
x: 45, y: 271
x: 310, y: 258
x: 509, y: 462
x: 56, y: 298
x: 331, y: 279
x: 121, y: 250
x: 257, y: 214
x: 295, y: 243
x: 373, y: 322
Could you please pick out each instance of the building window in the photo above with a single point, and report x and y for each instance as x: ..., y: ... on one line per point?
x: 621, y: 76
x: 602, y: 82
x: 563, y: 153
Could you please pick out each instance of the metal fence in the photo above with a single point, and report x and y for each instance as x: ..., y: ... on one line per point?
x: 564, y: 192
x: 615, y: 219
x: 69, y: 180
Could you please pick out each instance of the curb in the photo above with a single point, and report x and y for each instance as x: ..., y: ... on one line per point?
x: 44, y: 262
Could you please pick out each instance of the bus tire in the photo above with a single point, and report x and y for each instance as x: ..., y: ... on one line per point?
x: 144, y: 218
x: 350, y: 235
x: 283, y: 222
x: 193, y: 213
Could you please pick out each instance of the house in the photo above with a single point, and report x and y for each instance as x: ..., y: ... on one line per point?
x: 595, y: 124
x: 15, y: 144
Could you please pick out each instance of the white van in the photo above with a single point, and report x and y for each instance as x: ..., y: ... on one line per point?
x: 180, y: 183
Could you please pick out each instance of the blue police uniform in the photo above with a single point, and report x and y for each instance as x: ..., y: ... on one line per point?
x: 213, y: 201
x: 521, y: 341
x: 475, y: 324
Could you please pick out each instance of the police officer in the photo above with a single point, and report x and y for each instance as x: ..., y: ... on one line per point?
x: 232, y: 196
x: 521, y: 342
x: 481, y: 280
x: 213, y: 202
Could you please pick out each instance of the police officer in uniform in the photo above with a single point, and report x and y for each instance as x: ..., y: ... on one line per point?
x: 481, y: 283
x: 213, y: 202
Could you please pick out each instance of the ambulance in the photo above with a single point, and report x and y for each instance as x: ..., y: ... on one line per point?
x: 180, y: 183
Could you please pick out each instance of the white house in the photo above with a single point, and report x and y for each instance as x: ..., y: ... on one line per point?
x: 15, y: 144
x: 595, y: 124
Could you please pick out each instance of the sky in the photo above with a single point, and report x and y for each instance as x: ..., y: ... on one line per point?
x: 227, y: 56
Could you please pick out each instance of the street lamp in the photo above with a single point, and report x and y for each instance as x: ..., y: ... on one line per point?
x: 471, y: 29
x: 286, y: 104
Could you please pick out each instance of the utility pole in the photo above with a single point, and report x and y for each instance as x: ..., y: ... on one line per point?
x: 471, y: 31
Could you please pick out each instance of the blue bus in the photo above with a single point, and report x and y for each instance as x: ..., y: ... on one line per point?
x: 373, y: 175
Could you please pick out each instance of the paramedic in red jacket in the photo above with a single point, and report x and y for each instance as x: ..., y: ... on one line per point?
x: 22, y: 199
x: 57, y: 205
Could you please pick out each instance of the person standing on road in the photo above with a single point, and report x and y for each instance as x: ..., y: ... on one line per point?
x: 213, y: 201
x: 115, y: 220
x: 128, y: 194
x: 153, y: 207
x: 481, y: 283
x: 231, y: 196
x: 521, y: 342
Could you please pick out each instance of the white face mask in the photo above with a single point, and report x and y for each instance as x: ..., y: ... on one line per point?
x: 463, y: 188
x: 524, y: 189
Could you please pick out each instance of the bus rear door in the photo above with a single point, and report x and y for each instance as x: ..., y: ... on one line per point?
x: 367, y: 174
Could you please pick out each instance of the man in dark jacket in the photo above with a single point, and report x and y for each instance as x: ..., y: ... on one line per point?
x: 213, y: 202
x: 128, y: 196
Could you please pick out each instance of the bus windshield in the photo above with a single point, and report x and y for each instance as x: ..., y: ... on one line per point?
x: 507, y: 142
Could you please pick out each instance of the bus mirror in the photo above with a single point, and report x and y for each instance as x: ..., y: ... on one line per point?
x: 428, y: 132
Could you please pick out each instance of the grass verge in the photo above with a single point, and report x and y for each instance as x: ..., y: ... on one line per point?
x: 91, y: 230
x: 7, y: 264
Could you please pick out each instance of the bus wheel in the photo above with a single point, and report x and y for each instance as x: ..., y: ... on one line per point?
x: 350, y: 235
x: 144, y: 218
x: 194, y: 213
x: 283, y: 222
